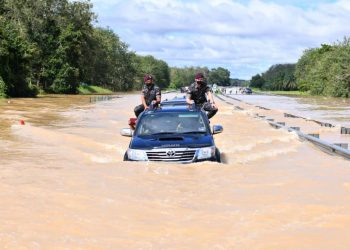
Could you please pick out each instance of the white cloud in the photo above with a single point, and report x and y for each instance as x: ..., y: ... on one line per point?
x: 245, y: 37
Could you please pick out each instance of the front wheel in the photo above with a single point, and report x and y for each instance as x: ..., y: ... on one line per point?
x: 217, y: 155
x: 125, y: 157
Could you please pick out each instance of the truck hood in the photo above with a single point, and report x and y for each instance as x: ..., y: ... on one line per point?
x: 172, y: 141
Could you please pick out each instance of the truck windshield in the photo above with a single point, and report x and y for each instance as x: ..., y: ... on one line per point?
x: 171, y: 123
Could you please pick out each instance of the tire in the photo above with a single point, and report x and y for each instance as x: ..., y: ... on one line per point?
x: 217, y: 155
x: 125, y: 157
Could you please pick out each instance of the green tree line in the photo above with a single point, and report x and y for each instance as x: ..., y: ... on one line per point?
x: 325, y: 70
x: 181, y: 77
x: 53, y: 46
x: 320, y: 71
x: 277, y: 77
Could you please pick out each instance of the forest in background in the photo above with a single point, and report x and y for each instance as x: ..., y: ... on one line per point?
x: 54, y: 46
x: 320, y: 71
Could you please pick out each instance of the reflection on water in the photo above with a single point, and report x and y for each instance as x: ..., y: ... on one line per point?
x: 64, y: 185
x: 327, y: 109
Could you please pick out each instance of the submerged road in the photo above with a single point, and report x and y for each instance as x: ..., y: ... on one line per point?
x: 64, y: 184
x: 328, y: 109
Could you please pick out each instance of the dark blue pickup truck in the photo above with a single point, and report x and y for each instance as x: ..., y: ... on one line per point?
x: 174, y: 132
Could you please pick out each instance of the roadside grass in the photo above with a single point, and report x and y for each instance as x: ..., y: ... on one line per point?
x: 82, y: 90
x: 280, y: 92
x: 91, y: 90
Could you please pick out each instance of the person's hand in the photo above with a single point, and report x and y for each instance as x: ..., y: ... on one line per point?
x: 146, y: 107
x: 214, y: 105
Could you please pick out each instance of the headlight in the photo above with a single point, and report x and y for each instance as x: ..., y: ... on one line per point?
x: 137, y: 155
x: 205, y: 153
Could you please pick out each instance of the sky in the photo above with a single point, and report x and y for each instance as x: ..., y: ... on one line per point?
x: 244, y: 36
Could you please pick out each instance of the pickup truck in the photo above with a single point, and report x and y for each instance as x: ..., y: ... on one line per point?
x: 174, y: 132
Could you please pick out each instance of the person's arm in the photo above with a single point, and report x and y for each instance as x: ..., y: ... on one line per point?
x: 189, y: 96
x: 158, y: 96
x: 159, y: 99
x: 143, y: 100
x: 188, y: 99
x: 211, y: 98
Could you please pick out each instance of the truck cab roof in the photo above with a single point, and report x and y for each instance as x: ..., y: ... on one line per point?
x: 173, y: 105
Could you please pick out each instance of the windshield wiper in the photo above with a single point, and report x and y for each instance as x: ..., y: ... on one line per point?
x: 194, y: 132
x: 165, y: 133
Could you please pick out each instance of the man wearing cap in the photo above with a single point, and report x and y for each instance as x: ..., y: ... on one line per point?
x: 199, y: 93
x: 150, y: 95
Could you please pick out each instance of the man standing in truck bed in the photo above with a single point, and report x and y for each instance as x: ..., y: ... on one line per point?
x: 201, y: 94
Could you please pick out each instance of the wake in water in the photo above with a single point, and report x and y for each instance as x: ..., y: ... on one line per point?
x: 63, y: 144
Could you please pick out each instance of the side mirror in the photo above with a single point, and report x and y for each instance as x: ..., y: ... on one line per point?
x: 217, y: 129
x: 126, y: 132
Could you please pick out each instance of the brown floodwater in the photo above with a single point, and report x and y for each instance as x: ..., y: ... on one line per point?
x: 326, y: 109
x: 63, y: 184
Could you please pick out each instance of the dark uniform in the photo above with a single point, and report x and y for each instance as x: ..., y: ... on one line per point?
x: 150, y: 92
x: 197, y: 93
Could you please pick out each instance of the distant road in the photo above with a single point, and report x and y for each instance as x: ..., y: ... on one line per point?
x: 327, y: 109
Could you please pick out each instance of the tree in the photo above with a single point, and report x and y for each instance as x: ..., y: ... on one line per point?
x: 157, y: 68
x: 239, y: 82
x: 325, y: 70
x: 219, y: 76
x: 257, y: 81
x: 112, y: 65
x: 64, y: 64
x: 14, y: 58
x: 280, y: 77
x: 59, y: 32
x: 181, y: 77
x: 3, y: 88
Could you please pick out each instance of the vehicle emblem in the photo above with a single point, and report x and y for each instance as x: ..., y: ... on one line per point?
x: 170, y: 153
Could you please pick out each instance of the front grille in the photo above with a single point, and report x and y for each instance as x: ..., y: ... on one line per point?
x: 171, y: 155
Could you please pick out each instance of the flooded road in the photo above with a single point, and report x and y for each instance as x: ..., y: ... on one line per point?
x: 327, y: 109
x: 64, y: 184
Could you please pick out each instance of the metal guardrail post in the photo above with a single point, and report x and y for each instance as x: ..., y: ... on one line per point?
x: 314, y: 135
x: 344, y: 131
x: 342, y: 145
